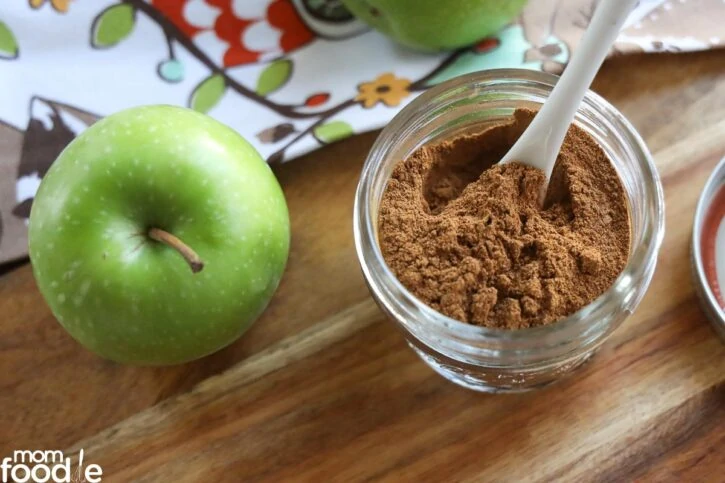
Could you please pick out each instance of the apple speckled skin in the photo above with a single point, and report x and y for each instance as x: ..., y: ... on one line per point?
x: 134, y: 300
x: 434, y: 25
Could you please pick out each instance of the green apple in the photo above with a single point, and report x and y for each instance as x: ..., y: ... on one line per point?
x: 158, y: 236
x: 436, y: 24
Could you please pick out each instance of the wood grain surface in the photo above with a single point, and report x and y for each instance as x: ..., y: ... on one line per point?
x: 322, y: 388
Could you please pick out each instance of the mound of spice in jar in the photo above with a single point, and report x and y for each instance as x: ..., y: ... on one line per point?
x: 469, y: 238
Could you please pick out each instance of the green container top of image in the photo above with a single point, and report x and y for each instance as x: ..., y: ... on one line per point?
x: 433, y: 25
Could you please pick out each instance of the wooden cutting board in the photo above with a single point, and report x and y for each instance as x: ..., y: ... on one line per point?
x: 323, y: 388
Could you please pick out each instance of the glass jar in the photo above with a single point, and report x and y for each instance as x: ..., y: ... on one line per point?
x: 498, y: 360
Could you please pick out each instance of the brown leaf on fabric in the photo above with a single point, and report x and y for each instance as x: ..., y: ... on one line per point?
x: 275, y: 133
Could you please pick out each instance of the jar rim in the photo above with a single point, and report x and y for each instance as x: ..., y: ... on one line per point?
x: 640, y: 258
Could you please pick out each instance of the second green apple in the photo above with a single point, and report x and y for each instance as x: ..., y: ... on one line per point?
x: 435, y: 24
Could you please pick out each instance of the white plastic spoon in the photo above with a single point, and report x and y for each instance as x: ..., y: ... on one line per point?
x: 539, y: 145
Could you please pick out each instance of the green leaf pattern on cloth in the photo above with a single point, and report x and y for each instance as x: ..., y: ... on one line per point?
x: 208, y: 93
x: 113, y: 25
x: 274, y: 76
x: 8, y: 44
x: 333, y: 131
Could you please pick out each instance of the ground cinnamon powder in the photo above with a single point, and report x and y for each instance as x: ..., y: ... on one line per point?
x: 468, y: 237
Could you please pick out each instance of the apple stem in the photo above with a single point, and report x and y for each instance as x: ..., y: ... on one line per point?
x: 185, y: 250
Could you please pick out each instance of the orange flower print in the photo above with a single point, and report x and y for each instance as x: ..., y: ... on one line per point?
x: 387, y: 89
x: 59, y: 5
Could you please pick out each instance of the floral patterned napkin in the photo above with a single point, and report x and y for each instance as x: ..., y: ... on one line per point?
x: 289, y: 75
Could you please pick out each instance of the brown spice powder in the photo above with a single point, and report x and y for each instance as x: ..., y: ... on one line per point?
x: 468, y: 237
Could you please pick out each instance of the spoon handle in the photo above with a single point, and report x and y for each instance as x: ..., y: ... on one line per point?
x: 540, y: 143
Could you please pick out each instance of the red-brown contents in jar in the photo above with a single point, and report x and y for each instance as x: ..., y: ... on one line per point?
x: 468, y: 237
